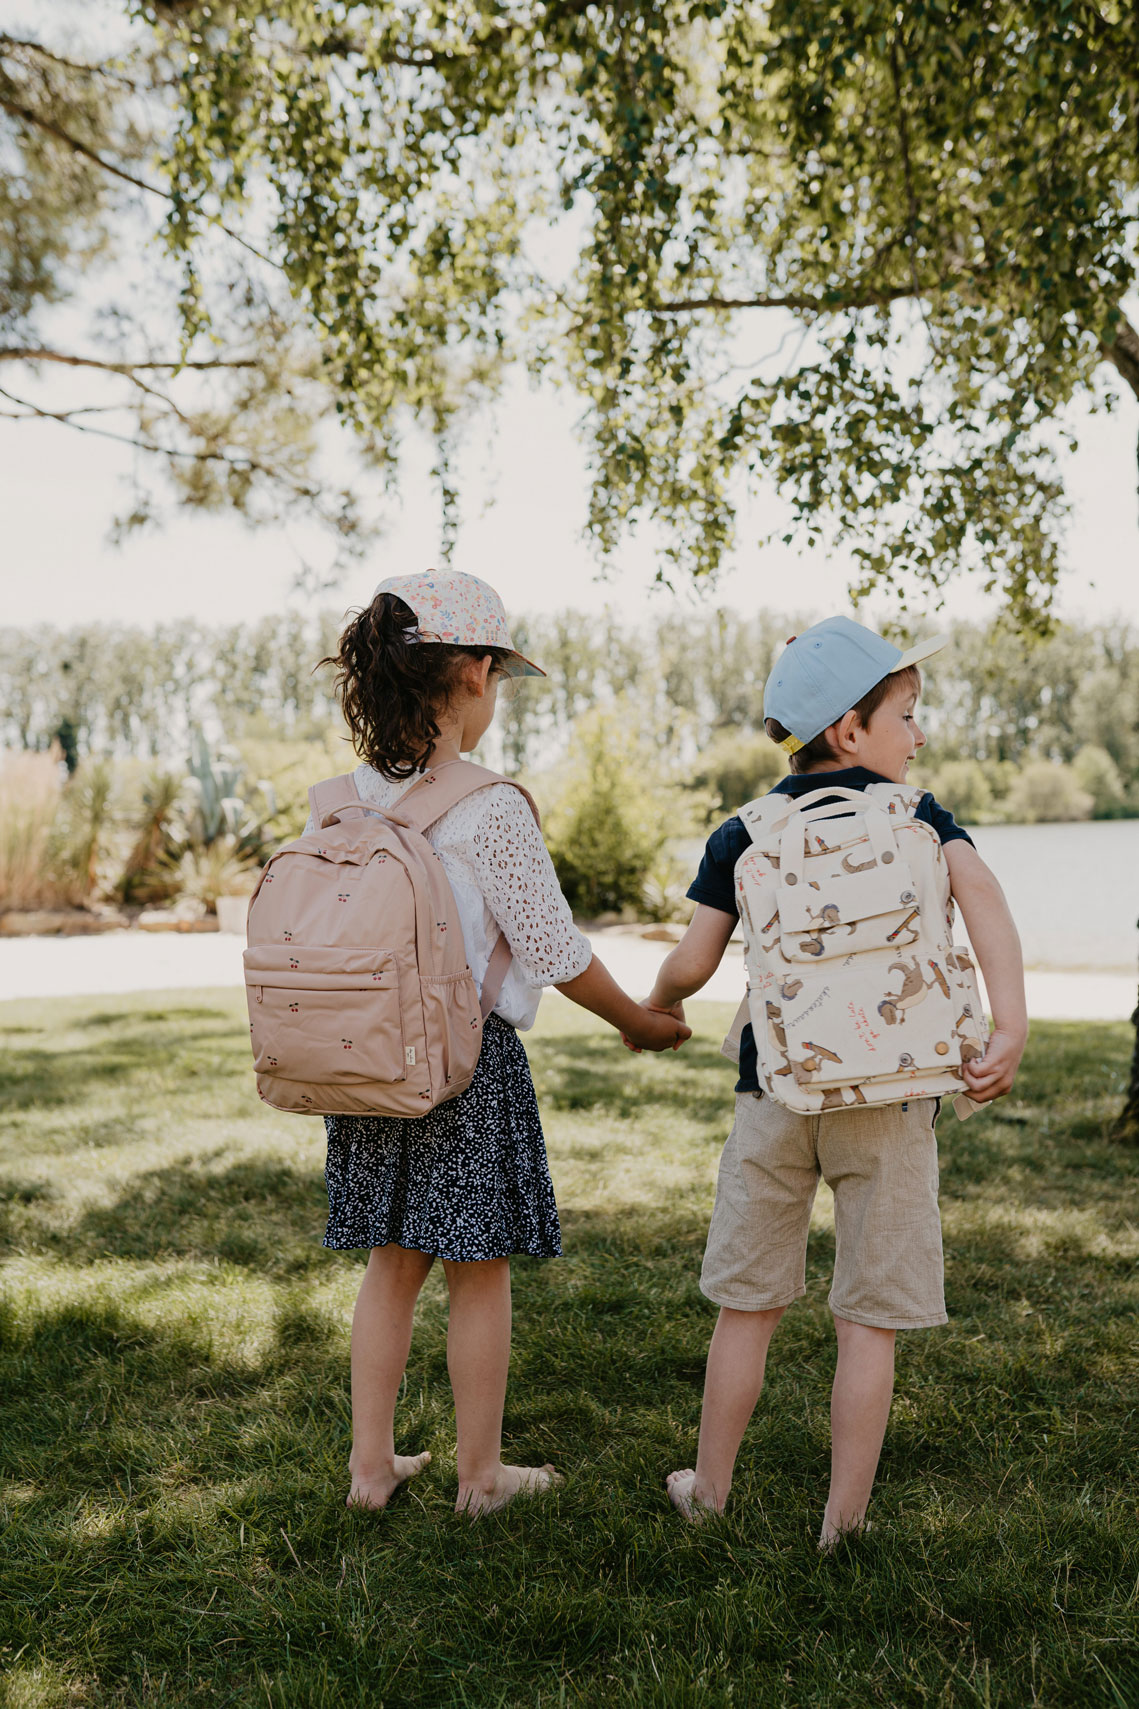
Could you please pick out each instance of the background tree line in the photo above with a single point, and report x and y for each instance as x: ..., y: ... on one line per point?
x: 688, y: 686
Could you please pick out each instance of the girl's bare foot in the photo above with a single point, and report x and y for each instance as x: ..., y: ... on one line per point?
x: 476, y: 1499
x: 681, y: 1487
x: 831, y: 1535
x: 377, y: 1489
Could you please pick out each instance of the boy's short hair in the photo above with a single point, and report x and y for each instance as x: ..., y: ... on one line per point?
x: 819, y: 751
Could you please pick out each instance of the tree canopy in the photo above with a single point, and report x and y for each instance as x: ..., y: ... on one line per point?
x: 870, y: 252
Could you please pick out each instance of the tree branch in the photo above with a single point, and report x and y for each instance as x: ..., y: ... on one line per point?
x: 830, y: 302
x: 244, y: 465
x: 85, y: 70
x: 14, y: 353
x: 31, y: 117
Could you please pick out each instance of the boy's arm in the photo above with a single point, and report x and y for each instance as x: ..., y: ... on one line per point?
x: 994, y: 937
x: 598, y: 991
x: 694, y: 960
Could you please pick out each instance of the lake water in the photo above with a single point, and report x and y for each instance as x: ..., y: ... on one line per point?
x: 1073, y: 889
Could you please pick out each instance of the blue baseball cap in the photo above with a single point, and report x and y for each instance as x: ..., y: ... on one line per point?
x: 826, y: 670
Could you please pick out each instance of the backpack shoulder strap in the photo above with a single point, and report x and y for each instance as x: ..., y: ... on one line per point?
x: 332, y: 793
x: 906, y: 799
x: 767, y: 813
x: 426, y: 801
x: 444, y: 787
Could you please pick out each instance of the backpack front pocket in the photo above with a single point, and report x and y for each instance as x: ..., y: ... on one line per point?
x: 879, y: 1016
x: 829, y: 913
x: 325, y: 1016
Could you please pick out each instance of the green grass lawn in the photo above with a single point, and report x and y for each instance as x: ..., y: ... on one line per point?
x: 174, y: 1409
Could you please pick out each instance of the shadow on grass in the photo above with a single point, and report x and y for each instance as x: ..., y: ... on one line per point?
x: 256, y: 1213
x: 172, y: 1510
x: 153, y: 1017
x: 598, y: 1074
x: 61, y: 1079
x: 174, y: 1439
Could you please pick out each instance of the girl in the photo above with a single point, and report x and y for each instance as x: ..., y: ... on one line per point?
x: 468, y: 1183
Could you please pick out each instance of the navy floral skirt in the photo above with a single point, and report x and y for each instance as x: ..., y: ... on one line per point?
x: 469, y: 1180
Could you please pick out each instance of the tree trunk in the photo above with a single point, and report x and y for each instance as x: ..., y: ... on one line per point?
x: 1127, y: 1127
x: 1124, y: 353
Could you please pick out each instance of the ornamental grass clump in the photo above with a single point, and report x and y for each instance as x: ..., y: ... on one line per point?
x: 31, y: 787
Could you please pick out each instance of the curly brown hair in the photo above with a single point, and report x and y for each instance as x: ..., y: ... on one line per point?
x: 819, y: 751
x: 392, y: 684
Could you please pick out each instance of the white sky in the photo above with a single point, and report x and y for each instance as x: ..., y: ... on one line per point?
x: 524, y: 511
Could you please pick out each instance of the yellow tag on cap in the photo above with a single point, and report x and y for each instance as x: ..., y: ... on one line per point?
x: 791, y: 744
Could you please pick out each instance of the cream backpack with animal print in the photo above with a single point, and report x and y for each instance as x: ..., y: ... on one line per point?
x: 360, y: 998
x: 856, y: 991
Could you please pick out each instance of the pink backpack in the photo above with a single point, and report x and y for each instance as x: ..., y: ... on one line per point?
x: 360, y: 998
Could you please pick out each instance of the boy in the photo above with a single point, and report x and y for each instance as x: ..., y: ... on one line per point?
x: 840, y: 701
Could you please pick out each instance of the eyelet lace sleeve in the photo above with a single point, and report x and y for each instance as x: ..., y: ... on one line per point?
x: 517, y: 878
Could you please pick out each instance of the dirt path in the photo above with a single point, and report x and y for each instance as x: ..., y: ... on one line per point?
x: 137, y: 961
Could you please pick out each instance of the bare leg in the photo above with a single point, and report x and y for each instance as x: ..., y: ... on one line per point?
x: 732, y: 1385
x: 478, y: 1359
x: 860, y: 1408
x: 381, y: 1341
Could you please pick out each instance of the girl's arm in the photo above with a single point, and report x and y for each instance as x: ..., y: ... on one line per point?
x: 598, y: 991
x: 517, y: 878
x: 994, y: 937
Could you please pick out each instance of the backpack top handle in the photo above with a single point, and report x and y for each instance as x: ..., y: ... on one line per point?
x: 791, y: 843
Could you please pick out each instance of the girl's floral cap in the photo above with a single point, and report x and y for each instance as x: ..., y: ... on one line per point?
x: 461, y: 611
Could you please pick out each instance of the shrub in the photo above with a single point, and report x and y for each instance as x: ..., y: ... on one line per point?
x: 611, y: 816
x: 53, y: 830
x: 1046, y: 793
x: 664, y: 893
x: 290, y: 767
x: 1096, y: 772
x: 80, y: 830
x: 736, y: 766
x: 962, y: 786
x: 147, y: 875
x: 222, y: 868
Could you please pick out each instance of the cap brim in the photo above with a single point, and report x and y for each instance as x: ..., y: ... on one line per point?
x: 924, y: 650
x: 516, y: 666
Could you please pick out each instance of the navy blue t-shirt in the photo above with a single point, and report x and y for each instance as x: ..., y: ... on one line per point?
x: 715, y: 883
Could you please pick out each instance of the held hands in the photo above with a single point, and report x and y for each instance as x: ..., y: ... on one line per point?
x: 992, y: 1075
x: 661, y: 1029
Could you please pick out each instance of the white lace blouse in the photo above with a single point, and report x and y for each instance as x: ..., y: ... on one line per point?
x: 503, y: 879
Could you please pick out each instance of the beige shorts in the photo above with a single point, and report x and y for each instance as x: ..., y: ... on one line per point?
x: 881, y: 1165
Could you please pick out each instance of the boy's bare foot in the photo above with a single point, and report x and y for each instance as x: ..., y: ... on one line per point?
x: 377, y: 1490
x: 476, y: 1499
x: 681, y: 1487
